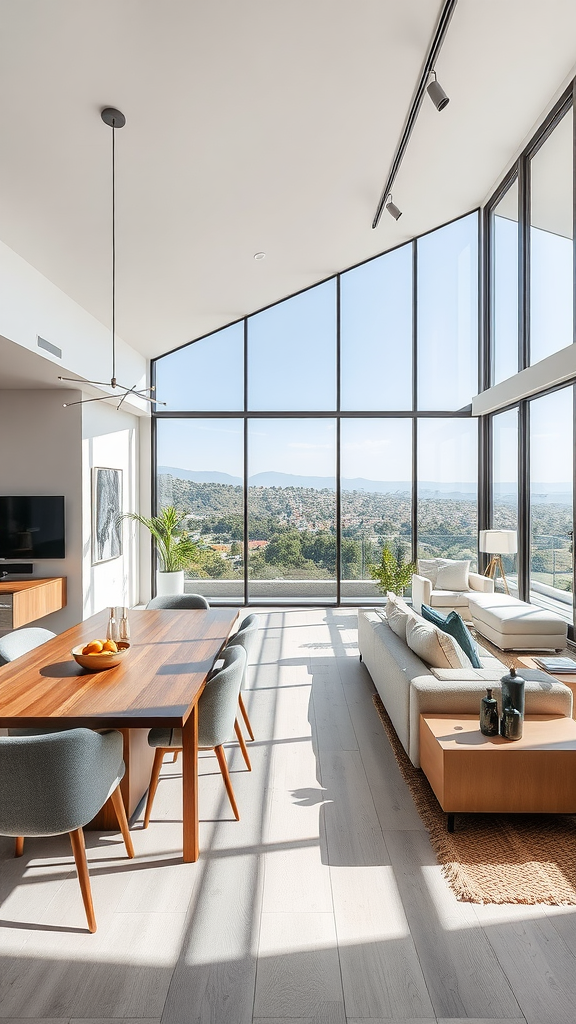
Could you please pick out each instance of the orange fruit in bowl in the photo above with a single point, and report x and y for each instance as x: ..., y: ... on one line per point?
x: 109, y: 647
x: 93, y: 647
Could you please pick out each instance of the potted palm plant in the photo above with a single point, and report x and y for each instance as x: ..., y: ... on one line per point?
x: 393, y: 572
x: 176, y: 550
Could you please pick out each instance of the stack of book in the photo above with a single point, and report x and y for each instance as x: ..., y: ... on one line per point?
x: 557, y: 664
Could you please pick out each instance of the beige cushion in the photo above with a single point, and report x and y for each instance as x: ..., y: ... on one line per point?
x: 449, y: 599
x: 397, y: 615
x: 433, y: 646
x: 428, y: 567
x: 464, y: 675
x: 452, y: 575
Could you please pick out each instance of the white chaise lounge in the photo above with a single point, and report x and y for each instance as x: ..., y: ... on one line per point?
x: 512, y: 624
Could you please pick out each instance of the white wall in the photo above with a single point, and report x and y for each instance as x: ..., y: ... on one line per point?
x: 41, y: 453
x: 47, y: 449
x: 109, y: 440
x: 30, y: 305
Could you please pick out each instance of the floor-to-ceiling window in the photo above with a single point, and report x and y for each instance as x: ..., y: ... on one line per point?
x: 505, y: 488
x: 504, y: 284
x: 300, y: 439
x: 551, y: 514
x: 551, y: 242
x: 530, y: 247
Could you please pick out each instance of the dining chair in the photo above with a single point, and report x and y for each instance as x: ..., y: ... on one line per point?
x: 245, y: 636
x: 179, y: 601
x: 216, y: 715
x: 56, y: 783
x: 20, y: 641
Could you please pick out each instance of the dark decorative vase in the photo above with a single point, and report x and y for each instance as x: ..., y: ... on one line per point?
x: 488, y: 715
x: 511, y: 724
x: 512, y: 718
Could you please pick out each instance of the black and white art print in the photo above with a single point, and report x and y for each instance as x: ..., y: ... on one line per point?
x: 106, y: 508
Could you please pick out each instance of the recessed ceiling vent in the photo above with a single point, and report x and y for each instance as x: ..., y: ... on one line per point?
x: 49, y: 347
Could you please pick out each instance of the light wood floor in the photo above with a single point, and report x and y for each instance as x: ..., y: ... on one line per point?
x: 323, y: 904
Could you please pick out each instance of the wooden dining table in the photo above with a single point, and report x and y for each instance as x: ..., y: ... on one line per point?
x: 157, y: 684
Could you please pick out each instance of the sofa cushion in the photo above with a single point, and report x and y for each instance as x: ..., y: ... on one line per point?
x: 433, y: 646
x: 452, y: 575
x: 428, y: 567
x: 506, y: 614
x: 454, y: 625
x: 397, y: 613
x: 466, y: 675
x: 449, y: 598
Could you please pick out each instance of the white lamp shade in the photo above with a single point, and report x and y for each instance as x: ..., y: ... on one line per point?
x: 499, y: 542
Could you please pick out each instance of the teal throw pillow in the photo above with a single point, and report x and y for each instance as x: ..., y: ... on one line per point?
x: 454, y: 625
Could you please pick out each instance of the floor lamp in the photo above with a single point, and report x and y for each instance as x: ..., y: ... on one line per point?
x: 498, y: 543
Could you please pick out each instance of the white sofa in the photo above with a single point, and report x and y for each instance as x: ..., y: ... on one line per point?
x: 409, y: 688
x: 423, y: 592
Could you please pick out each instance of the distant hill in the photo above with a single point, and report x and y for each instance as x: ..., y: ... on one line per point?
x: 427, y: 489
x: 200, y: 476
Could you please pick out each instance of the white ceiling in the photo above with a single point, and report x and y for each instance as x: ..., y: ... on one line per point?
x: 255, y: 125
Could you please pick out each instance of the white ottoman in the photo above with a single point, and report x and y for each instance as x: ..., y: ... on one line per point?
x: 514, y: 625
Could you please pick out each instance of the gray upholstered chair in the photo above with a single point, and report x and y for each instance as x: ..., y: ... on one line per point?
x: 20, y: 641
x: 246, y: 637
x: 179, y: 601
x: 216, y: 715
x: 56, y: 783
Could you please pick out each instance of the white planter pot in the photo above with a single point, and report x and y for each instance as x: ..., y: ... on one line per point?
x: 169, y: 583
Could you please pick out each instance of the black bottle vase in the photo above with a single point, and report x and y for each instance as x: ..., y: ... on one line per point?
x: 512, y: 701
x: 488, y: 714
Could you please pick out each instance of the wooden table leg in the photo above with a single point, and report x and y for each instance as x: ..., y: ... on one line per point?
x: 190, y: 844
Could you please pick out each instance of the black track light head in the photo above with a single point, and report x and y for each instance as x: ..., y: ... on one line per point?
x: 392, y: 208
x: 437, y: 94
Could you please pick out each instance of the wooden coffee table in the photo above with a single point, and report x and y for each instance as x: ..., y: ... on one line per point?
x: 476, y: 774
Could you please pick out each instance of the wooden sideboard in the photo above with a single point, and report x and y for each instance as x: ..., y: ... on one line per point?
x: 23, y: 601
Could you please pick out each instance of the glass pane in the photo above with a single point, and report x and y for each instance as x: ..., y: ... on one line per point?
x: 376, y: 333
x: 447, y: 489
x: 207, y: 376
x: 504, y: 226
x: 292, y: 353
x: 505, y: 487
x: 292, y: 510
x: 376, y: 487
x: 551, y: 244
x: 200, y: 469
x: 448, y: 315
x: 551, y: 502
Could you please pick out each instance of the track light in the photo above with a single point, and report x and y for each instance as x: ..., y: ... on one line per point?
x: 392, y: 208
x: 437, y: 94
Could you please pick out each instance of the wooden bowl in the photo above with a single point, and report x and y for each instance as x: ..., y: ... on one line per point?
x: 97, y: 662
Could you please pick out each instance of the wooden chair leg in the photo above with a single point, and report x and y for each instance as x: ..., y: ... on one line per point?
x: 156, y: 768
x: 175, y: 757
x: 79, y: 851
x: 240, y: 738
x: 219, y: 751
x: 19, y: 846
x: 245, y: 716
x: 120, y: 811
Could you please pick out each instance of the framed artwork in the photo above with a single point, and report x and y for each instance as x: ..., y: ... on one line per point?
x: 106, y: 508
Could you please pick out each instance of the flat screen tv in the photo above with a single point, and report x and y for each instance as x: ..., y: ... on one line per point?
x: 32, y: 527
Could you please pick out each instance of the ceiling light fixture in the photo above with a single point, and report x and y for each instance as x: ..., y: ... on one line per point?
x: 114, y: 119
x: 392, y: 208
x: 259, y: 255
x: 437, y: 94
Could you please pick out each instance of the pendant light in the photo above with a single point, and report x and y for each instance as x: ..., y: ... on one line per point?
x: 114, y: 119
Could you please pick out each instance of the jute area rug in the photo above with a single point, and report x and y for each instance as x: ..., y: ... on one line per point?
x: 500, y: 858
